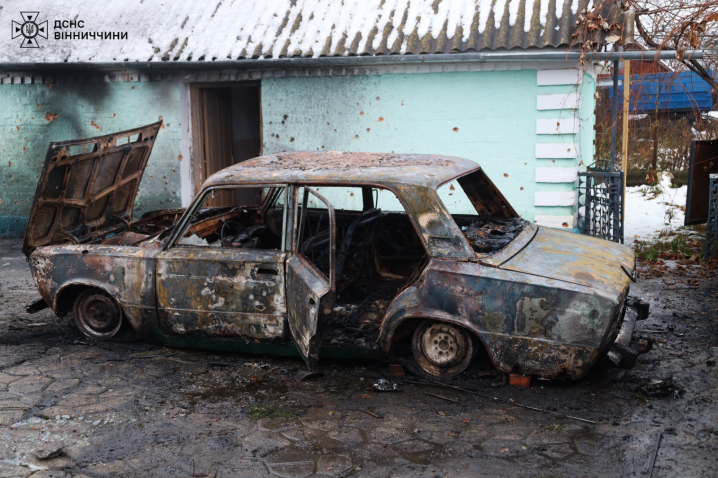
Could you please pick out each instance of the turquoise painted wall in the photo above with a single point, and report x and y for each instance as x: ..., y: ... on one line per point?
x: 33, y: 115
x: 487, y: 116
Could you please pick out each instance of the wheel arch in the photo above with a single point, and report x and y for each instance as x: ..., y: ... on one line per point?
x: 66, y: 294
x: 401, y: 325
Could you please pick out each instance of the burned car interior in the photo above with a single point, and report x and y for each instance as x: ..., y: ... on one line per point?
x: 377, y: 252
x: 218, y: 222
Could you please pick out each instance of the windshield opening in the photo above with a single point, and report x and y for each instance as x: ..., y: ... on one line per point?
x: 484, y: 215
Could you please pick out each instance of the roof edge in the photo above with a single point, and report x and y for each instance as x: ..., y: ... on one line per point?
x: 367, y: 60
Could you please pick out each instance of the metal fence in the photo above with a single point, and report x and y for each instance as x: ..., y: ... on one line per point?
x: 600, y: 202
x: 711, y: 246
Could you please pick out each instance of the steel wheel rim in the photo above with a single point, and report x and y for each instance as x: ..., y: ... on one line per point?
x: 98, y: 315
x: 443, y: 345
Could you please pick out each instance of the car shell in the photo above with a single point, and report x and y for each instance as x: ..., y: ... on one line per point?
x: 549, y: 304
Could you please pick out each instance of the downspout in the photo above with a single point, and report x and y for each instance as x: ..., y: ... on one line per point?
x: 614, y: 116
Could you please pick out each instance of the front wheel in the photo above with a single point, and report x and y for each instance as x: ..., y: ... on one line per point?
x: 97, y: 315
x: 441, y: 349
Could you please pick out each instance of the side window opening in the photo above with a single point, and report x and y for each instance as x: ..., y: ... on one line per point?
x: 378, y: 253
x: 238, y: 218
x: 486, y: 219
x: 314, y: 231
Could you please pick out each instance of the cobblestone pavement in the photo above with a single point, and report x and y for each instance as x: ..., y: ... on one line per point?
x: 129, y: 408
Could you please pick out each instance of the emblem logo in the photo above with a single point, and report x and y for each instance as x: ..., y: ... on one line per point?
x: 29, y: 29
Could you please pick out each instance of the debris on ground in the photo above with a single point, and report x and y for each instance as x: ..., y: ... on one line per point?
x: 662, y: 388
x: 443, y: 398
x: 370, y: 413
x: 384, y: 385
x: 307, y: 374
x: 396, y: 369
x: 517, y: 380
x: 50, y: 450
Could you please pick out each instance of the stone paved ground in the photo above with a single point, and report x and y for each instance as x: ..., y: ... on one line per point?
x: 128, y: 408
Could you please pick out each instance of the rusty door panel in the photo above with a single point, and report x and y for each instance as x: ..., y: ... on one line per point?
x: 310, y: 294
x: 221, y: 291
x: 307, y: 288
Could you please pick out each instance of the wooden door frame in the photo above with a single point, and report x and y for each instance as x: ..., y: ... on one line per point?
x: 197, y: 124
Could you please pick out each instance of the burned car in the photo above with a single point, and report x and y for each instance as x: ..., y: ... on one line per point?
x: 327, y: 254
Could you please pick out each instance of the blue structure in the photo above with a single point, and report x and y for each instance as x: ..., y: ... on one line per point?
x: 669, y: 92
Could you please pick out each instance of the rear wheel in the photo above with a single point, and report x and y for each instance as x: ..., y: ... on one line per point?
x: 97, y: 315
x: 442, y: 349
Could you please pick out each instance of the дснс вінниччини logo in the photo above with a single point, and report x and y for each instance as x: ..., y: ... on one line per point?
x: 29, y: 29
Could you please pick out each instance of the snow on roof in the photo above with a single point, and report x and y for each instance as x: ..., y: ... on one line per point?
x: 190, y: 30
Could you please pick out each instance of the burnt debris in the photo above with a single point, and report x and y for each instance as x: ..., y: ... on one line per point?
x: 493, y: 234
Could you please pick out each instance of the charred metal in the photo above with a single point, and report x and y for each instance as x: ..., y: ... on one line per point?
x: 264, y: 261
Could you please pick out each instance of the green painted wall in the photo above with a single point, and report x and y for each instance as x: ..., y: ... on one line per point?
x: 487, y: 116
x: 33, y: 115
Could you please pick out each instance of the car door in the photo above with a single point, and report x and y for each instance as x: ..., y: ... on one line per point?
x: 311, y: 273
x: 216, y: 290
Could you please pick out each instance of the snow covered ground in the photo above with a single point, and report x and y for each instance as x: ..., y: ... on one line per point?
x: 647, y: 213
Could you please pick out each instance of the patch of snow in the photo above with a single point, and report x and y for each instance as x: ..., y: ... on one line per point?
x: 499, y: 7
x: 528, y: 13
x: 559, y: 8
x: 647, y: 216
x: 514, y: 12
x: 543, y: 13
x: 574, y: 6
x: 484, y: 11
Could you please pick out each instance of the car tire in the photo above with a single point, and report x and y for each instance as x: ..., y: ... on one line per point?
x: 441, y: 349
x: 97, y: 314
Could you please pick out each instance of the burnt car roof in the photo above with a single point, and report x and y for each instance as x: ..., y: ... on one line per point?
x: 427, y: 170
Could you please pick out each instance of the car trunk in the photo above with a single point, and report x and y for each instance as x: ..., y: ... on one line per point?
x: 570, y: 257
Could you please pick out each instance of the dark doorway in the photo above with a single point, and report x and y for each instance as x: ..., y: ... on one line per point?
x: 226, y: 130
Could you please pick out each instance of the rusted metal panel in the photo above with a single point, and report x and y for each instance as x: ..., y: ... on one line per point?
x: 311, y: 293
x: 126, y: 273
x: 221, y: 291
x: 87, y: 186
x: 703, y: 163
x: 538, y: 326
x: 308, y: 288
x: 587, y: 261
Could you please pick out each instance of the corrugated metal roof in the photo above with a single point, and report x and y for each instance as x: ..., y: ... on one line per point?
x: 238, y: 29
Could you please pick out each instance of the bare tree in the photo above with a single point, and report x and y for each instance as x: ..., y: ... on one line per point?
x: 680, y: 25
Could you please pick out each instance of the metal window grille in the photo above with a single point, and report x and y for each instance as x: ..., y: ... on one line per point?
x: 711, y: 246
x: 600, y: 202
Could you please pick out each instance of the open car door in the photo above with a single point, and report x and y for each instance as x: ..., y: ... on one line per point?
x: 311, y: 281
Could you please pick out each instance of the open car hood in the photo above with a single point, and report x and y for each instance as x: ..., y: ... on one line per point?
x: 88, y: 185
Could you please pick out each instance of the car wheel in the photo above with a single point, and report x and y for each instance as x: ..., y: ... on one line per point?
x: 442, y: 349
x: 97, y: 315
